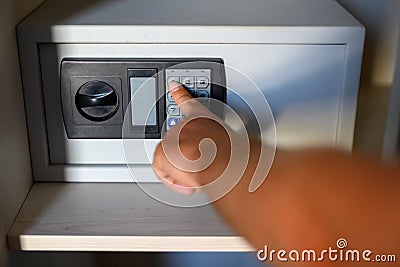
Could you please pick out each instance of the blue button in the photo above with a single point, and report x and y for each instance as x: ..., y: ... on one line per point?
x: 173, y: 121
x: 202, y: 93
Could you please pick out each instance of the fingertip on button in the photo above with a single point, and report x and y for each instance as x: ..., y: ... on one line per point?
x: 174, y: 86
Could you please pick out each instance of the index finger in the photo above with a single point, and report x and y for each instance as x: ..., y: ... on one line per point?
x: 185, y: 101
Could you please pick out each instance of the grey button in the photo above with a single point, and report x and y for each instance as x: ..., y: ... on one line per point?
x: 202, y: 82
x: 202, y: 93
x: 173, y: 110
x: 170, y: 98
x: 188, y: 81
x: 173, y: 78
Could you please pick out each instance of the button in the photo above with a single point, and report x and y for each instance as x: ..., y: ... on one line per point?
x: 170, y: 98
x: 202, y: 82
x: 188, y: 81
x: 173, y: 110
x: 173, y: 78
x: 172, y: 122
x: 202, y: 93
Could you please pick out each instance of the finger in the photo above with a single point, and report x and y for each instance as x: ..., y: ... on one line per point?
x: 168, y: 174
x: 172, y: 184
x: 185, y: 101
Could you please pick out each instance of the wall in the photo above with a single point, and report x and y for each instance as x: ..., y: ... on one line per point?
x: 382, y: 21
x: 381, y: 18
x: 391, y: 149
x: 15, y: 176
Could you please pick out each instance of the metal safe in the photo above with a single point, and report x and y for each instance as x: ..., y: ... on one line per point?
x: 82, y: 61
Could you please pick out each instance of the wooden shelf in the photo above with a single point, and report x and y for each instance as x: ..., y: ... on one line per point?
x: 114, y: 217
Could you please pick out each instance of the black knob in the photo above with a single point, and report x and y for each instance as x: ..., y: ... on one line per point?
x: 96, y: 101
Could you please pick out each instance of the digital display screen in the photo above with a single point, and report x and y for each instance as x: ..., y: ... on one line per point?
x: 143, y: 101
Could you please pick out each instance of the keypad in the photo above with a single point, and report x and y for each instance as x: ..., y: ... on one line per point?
x: 196, y: 81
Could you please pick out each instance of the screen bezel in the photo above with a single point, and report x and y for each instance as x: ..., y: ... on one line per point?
x: 147, y: 131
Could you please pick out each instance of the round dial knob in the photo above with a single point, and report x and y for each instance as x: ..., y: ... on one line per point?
x: 96, y: 101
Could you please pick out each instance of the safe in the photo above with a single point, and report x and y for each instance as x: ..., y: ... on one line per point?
x: 95, y: 75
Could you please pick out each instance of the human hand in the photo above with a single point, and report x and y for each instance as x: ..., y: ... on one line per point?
x: 310, y: 199
x: 196, y: 151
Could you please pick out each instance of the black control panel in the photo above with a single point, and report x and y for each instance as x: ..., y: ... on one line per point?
x: 97, y: 94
